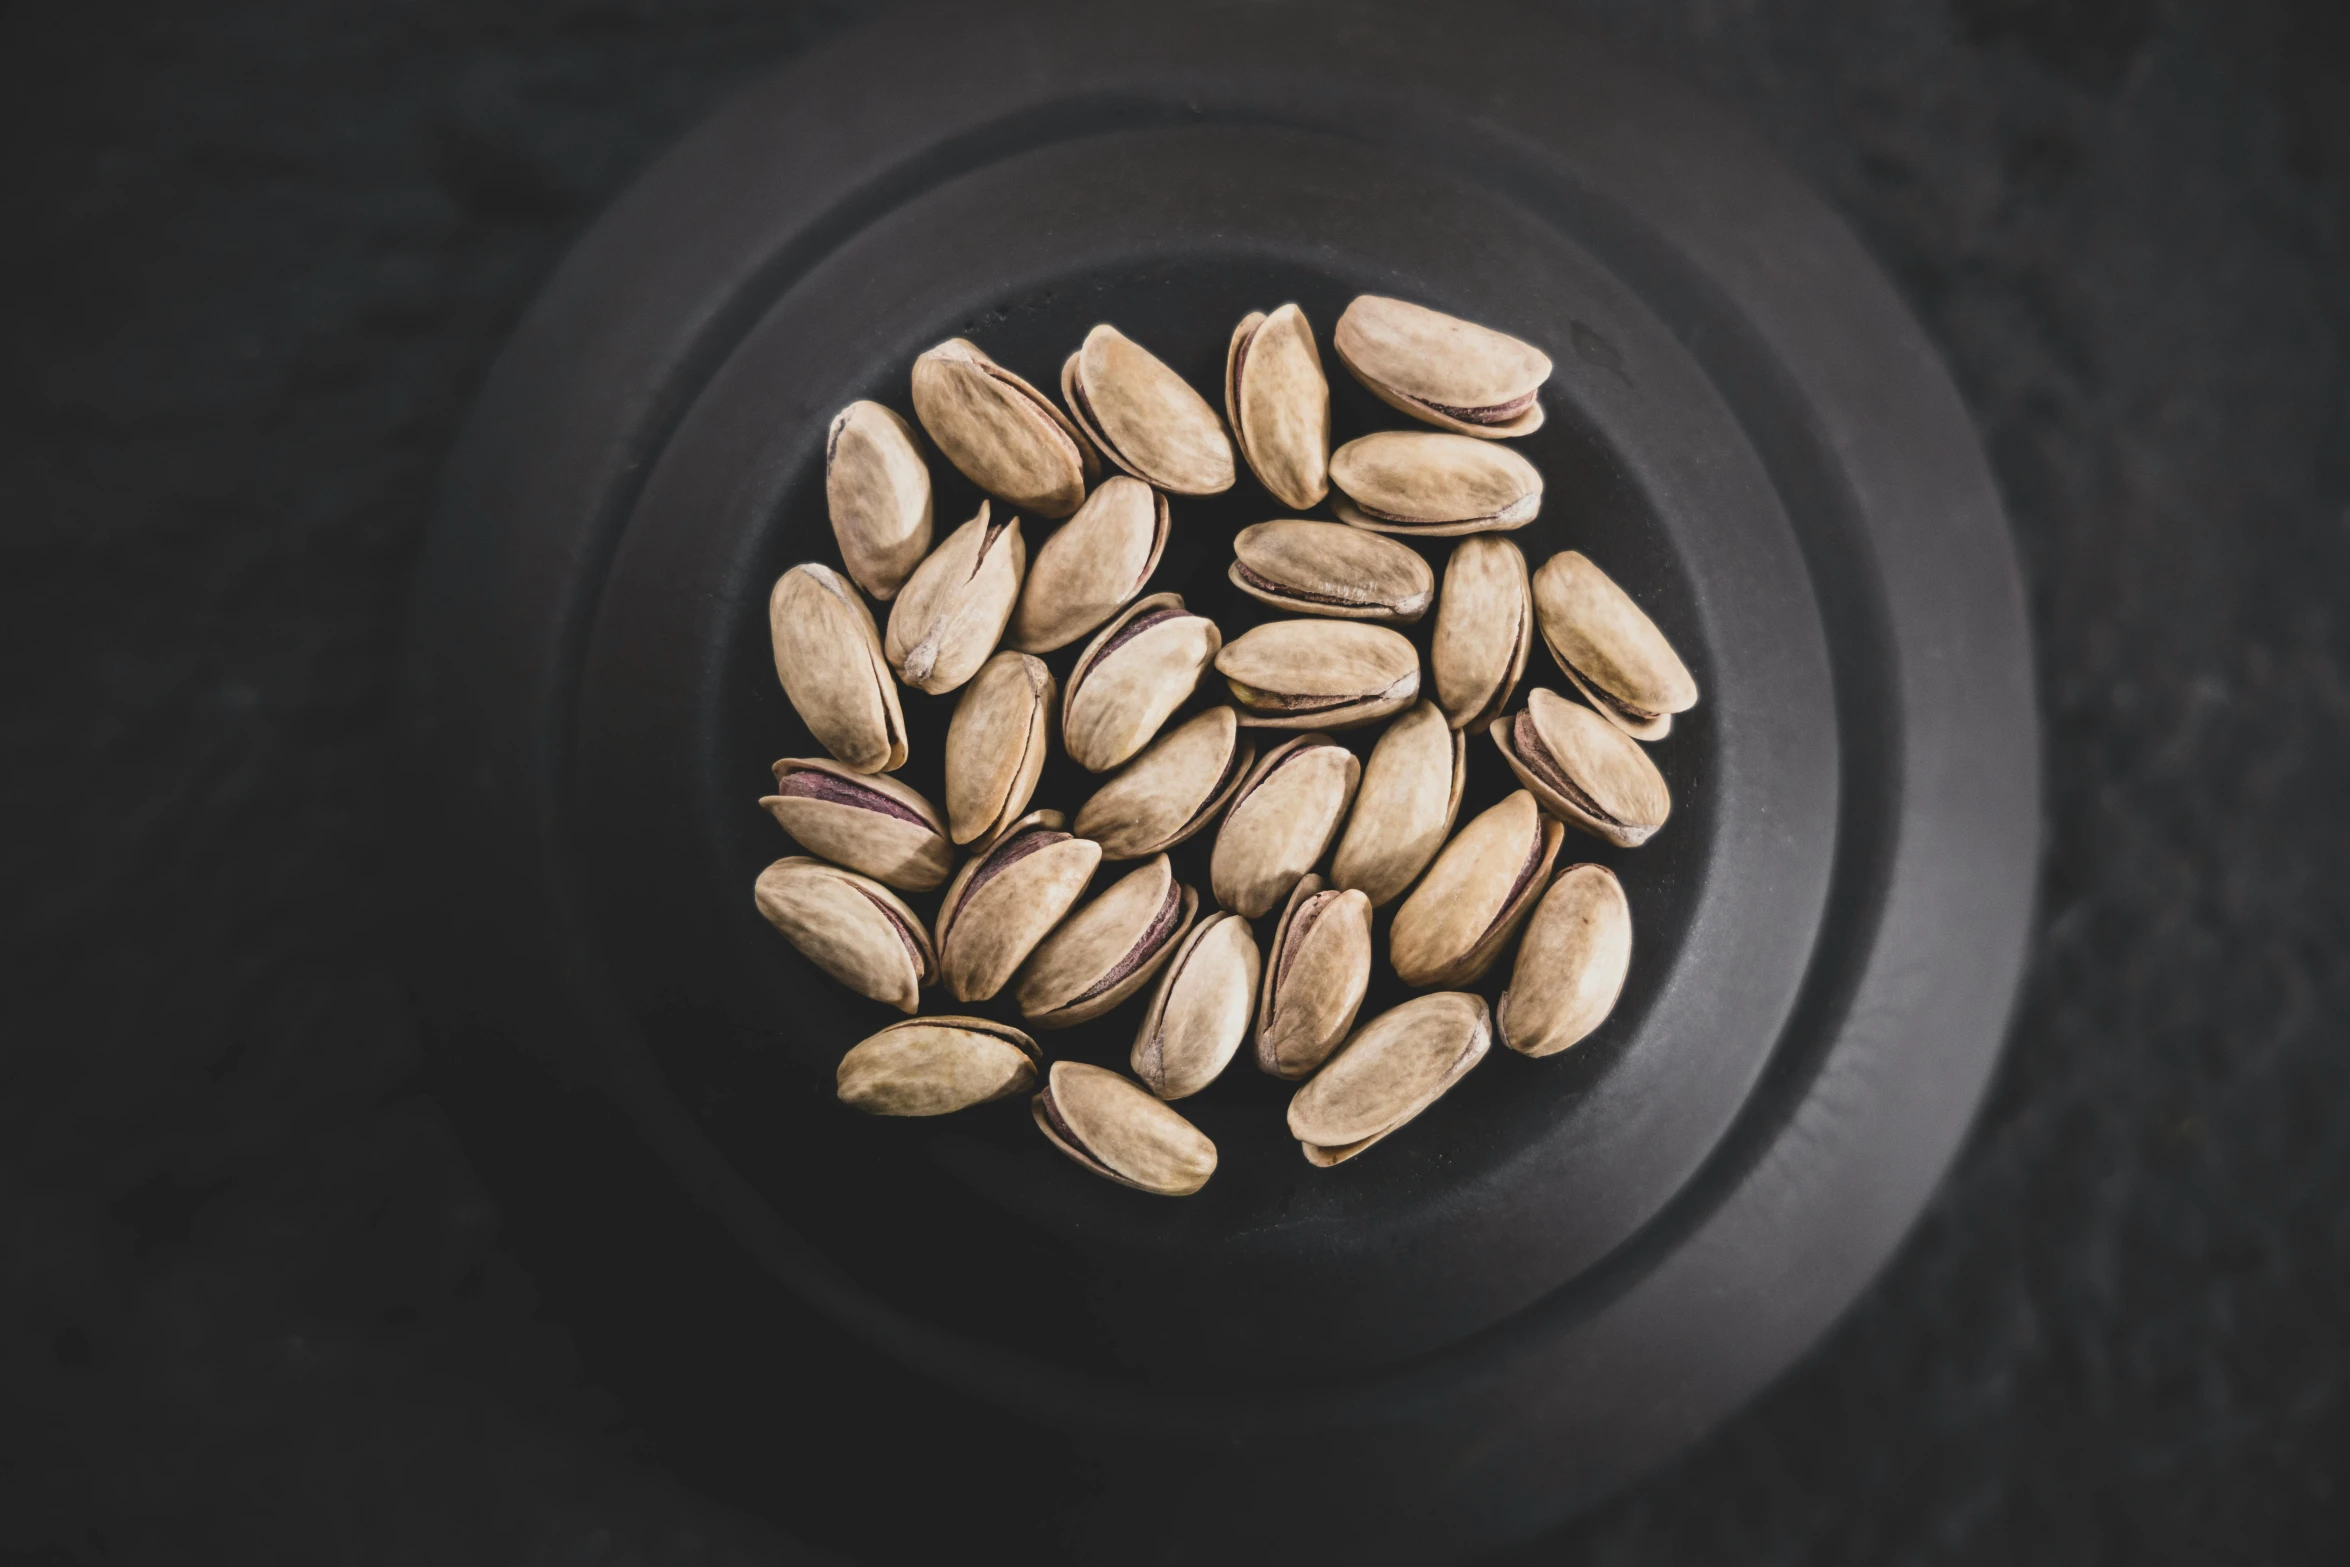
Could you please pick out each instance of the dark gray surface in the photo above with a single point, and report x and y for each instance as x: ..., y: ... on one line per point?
x: 259, y: 1307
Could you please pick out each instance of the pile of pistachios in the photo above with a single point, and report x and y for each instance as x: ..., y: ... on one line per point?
x: 1306, y: 834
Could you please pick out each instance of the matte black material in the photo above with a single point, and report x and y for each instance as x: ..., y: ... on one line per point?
x: 1567, y: 1268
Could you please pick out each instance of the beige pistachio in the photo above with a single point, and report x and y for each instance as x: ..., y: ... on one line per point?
x: 1006, y: 898
x: 1404, y: 811
x: 936, y: 1066
x: 1394, y: 1067
x: 1463, y: 913
x: 953, y: 609
x: 1170, y: 791
x: 1484, y: 625
x: 1319, y: 968
x: 1107, y: 950
x: 1584, y: 769
x: 1319, y: 674
x: 1145, y: 417
x: 850, y: 926
x: 1005, y: 435
x: 828, y: 656
x: 1429, y: 485
x: 1441, y: 369
x: 1131, y: 678
x: 996, y: 744
x: 1609, y: 648
x: 1279, y: 404
x: 878, y: 489
x: 1091, y: 566
x: 1116, y: 1129
x: 1280, y: 821
x: 1200, y: 1012
x: 1571, y: 963
x: 868, y: 822
x: 1327, y: 568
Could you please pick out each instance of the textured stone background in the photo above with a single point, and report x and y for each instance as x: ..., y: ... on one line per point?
x: 258, y: 1307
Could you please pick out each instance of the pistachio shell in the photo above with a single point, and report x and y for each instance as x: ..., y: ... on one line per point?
x: 850, y: 926
x: 953, y: 609
x: 1319, y: 674
x: 1327, y: 568
x: 1006, y: 899
x: 1609, y: 647
x: 1091, y: 566
x: 1433, y: 486
x: 1131, y: 677
x: 1394, y: 1067
x: 1315, y: 977
x: 1170, y: 791
x: 1113, y: 1127
x: 828, y: 656
x: 1279, y: 404
x: 1280, y: 822
x: 1404, y: 811
x: 1005, y: 435
x: 1145, y: 417
x: 878, y: 489
x: 1107, y: 950
x: 936, y: 1066
x: 1453, y: 926
x: 1571, y: 964
x: 997, y: 743
x: 1484, y: 625
x: 1200, y: 1012
x: 868, y: 822
x: 1441, y: 369
x: 1584, y: 769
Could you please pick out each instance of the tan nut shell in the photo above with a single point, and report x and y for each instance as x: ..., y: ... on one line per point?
x: 1609, y: 647
x: 1404, y: 811
x: 1116, y: 1129
x: 1319, y: 674
x: 878, y: 489
x: 1394, y: 1067
x: 1145, y: 417
x: 1328, y: 568
x: 1430, y: 485
x: 1279, y: 404
x: 828, y: 656
x: 936, y: 1066
x: 1441, y: 369
x: 1005, y: 435
x: 1279, y: 823
x: 1484, y: 626
x: 1316, y: 972
x: 952, y: 611
x: 868, y: 822
x: 1200, y: 1013
x: 1125, y: 686
x: 1471, y: 902
x: 1571, y: 963
x: 850, y: 926
x: 1584, y: 769
x: 1006, y: 899
x: 997, y: 743
x: 1172, y: 790
x: 1091, y: 566
x: 1107, y: 950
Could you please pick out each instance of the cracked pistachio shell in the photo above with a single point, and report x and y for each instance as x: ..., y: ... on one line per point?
x: 1453, y: 926
x: 1328, y: 568
x: 1091, y: 566
x: 1005, y: 435
x: 850, y: 926
x: 1609, y: 648
x: 1279, y: 404
x: 1484, y: 625
x: 1284, y: 816
x: 878, y: 489
x: 1404, y: 811
x: 1443, y: 370
x: 1107, y: 950
x: 1584, y: 769
x: 952, y: 610
x: 1315, y: 977
x: 936, y: 1066
x: 996, y: 744
x: 1571, y: 963
x: 1115, y: 1128
x: 828, y: 656
x: 1200, y: 1012
x: 1145, y: 417
x: 868, y: 822
x: 1421, y: 483
x: 1131, y: 678
x: 1006, y: 899
x: 1319, y: 674
x: 1170, y: 791
x: 1394, y: 1067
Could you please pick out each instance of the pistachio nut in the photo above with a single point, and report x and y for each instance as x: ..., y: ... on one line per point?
x: 1327, y: 568
x: 936, y: 1066
x: 1279, y: 404
x: 953, y: 609
x: 1404, y: 811
x: 1319, y: 674
x: 1116, y: 1129
x: 869, y: 822
x: 828, y: 656
x: 1609, y: 648
x: 1475, y: 896
x: 1430, y: 485
x: 1131, y: 677
x: 1584, y: 769
x: 1284, y: 816
x: 1091, y: 566
x: 1145, y: 417
x: 850, y: 926
x: 1484, y: 625
x: 1394, y: 1067
x: 1571, y: 963
x: 1319, y: 968
x: 1441, y: 369
x: 1005, y: 435
x: 996, y: 744
x: 878, y: 489
x: 1172, y: 790
x: 1200, y: 1012
x: 1006, y: 898
x: 1109, y: 949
